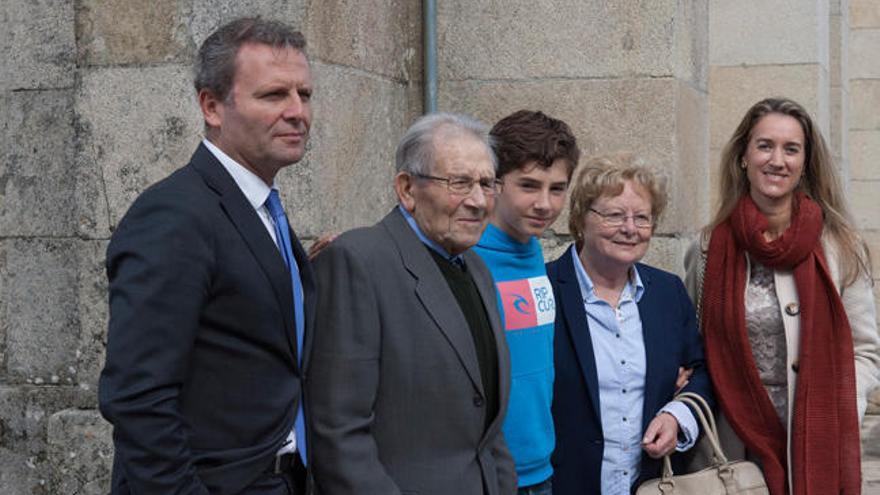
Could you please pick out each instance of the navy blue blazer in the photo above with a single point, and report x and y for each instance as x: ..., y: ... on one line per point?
x: 201, y: 381
x: 671, y: 340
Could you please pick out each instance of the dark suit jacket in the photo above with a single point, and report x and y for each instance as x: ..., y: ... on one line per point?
x: 201, y: 380
x: 671, y: 340
x: 394, y: 389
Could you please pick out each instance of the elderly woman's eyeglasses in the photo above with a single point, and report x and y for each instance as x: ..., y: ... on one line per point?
x: 616, y: 219
x: 463, y: 185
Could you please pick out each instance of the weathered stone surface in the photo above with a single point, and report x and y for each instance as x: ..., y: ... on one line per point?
x: 735, y: 89
x: 555, y: 246
x: 837, y: 137
x: 208, y: 15
x: 874, y: 403
x: 125, y: 32
x: 80, y: 452
x: 37, y: 174
x: 378, y: 36
x: 864, y: 149
x: 37, y: 43
x: 864, y: 54
x: 24, y: 414
x: 136, y: 126
x: 569, y: 38
x: 345, y: 180
x: 864, y: 13
x: 688, y: 183
x: 638, y: 115
x: 39, y: 310
x: 93, y: 313
x: 864, y: 100
x: 871, y: 477
x: 865, y: 203
x: 742, y: 32
x: 871, y: 436
x: 667, y: 253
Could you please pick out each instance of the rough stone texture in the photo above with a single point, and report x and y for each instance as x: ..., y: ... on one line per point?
x: 208, y: 15
x: 36, y: 161
x: 37, y: 43
x: 638, y: 115
x: 864, y: 53
x: 24, y: 414
x: 871, y: 436
x: 379, y: 36
x: 874, y: 402
x: 864, y: 100
x: 93, y: 313
x: 838, y: 138
x: 734, y: 89
x: 569, y: 38
x: 689, y: 187
x: 345, y: 180
x: 872, y: 239
x: 838, y: 54
x: 742, y: 32
x: 667, y: 253
x: 871, y: 477
x: 132, y: 135
x: 125, y: 32
x: 865, y: 203
x: 864, y: 13
x: 864, y: 149
x: 39, y: 314
x: 80, y: 451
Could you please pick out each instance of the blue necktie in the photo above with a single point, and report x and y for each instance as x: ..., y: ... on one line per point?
x: 282, y: 234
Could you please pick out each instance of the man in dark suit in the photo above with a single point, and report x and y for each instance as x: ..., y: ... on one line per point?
x: 211, y: 294
x: 411, y: 376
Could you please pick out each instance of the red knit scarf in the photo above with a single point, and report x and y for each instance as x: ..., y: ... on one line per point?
x: 825, y: 432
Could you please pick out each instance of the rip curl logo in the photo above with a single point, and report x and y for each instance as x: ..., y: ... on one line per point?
x: 527, y: 302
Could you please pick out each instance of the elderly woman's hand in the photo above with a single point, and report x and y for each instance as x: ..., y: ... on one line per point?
x: 661, y: 436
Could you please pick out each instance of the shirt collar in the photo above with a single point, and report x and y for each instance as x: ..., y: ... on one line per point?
x: 426, y: 240
x: 255, y: 190
x: 633, y: 290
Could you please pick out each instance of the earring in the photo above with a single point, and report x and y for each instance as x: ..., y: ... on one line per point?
x: 743, y: 165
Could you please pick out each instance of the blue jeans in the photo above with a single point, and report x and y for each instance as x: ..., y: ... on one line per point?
x: 542, y: 488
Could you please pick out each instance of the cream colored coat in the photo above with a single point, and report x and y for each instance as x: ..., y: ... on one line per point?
x: 858, y: 301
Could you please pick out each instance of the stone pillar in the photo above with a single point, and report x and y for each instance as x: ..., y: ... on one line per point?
x: 625, y: 75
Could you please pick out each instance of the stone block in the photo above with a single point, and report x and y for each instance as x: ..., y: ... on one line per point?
x: 91, y: 299
x: 38, y: 44
x: 865, y: 203
x: 733, y: 90
x: 37, y: 176
x: 864, y: 100
x: 345, y: 179
x: 555, y: 246
x: 24, y: 415
x: 871, y: 436
x: 667, y: 253
x: 378, y: 36
x: 871, y: 476
x: 741, y: 32
x: 638, y: 115
x: 208, y: 15
x: 864, y: 148
x: 524, y: 40
x: 864, y: 13
x: 131, y: 135
x: 130, y: 32
x: 80, y: 450
x: 38, y: 312
x: 688, y: 183
x: 864, y: 53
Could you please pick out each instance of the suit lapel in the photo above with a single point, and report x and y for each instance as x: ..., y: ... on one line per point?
x: 652, y: 334
x: 578, y: 328
x: 253, y: 232
x: 434, y: 294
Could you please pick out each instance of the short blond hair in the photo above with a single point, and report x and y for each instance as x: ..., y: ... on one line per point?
x: 606, y: 175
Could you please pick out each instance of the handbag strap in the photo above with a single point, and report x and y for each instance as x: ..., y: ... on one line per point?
x: 704, y: 414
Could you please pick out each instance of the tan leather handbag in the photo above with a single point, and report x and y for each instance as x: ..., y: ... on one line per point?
x: 722, y: 477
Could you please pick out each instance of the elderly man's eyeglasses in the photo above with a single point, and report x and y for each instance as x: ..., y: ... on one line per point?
x: 616, y: 219
x: 463, y: 185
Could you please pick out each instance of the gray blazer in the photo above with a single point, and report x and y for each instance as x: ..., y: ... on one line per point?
x: 396, y: 399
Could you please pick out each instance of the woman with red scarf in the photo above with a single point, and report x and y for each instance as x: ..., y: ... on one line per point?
x: 782, y: 280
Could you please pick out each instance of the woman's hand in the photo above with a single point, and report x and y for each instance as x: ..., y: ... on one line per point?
x: 684, y: 376
x: 320, y: 244
x: 661, y: 436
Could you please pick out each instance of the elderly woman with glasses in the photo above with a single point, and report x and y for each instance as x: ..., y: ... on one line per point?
x: 625, y: 332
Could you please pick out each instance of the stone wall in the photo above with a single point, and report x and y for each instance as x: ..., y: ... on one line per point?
x: 96, y: 103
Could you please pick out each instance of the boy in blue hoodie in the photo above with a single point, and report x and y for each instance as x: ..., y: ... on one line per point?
x: 537, y: 155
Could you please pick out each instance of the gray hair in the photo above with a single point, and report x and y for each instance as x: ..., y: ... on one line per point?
x: 215, y: 62
x: 415, y: 152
